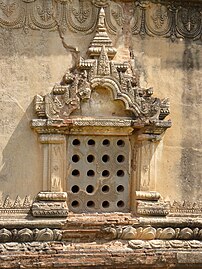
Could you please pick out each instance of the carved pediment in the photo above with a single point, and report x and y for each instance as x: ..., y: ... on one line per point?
x: 100, y: 70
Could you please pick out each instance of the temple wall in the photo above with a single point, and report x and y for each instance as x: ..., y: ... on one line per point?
x: 32, y: 61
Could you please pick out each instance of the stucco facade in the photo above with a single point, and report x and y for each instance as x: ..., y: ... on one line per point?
x: 49, y: 49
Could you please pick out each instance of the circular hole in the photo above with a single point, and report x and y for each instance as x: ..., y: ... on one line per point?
x: 105, y: 188
x: 120, y: 188
x: 75, y: 189
x: 90, y: 158
x: 120, y: 158
x: 120, y: 143
x: 120, y: 204
x: 105, y: 158
x: 120, y: 173
x: 106, y: 142
x: 89, y: 189
x: 90, y: 204
x: 105, y: 173
x: 90, y: 173
x: 91, y: 142
x: 75, y: 173
x: 75, y: 158
x: 105, y: 204
x: 76, y: 142
x: 75, y: 203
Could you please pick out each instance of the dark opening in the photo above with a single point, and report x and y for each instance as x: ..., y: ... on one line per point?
x: 105, y: 173
x: 120, y: 188
x: 120, y: 143
x: 90, y: 173
x: 105, y: 204
x: 75, y: 189
x: 105, y: 188
x: 75, y: 158
x: 105, y: 158
x: 90, y: 158
x: 76, y: 142
x: 120, y: 158
x: 89, y: 188
x: 91, y: 142
x: 75, y: 173
x: 120, y: 173
x: 90, y: 204
x: 106, y: 142
x: 120, y: 204
x: 75, y: 203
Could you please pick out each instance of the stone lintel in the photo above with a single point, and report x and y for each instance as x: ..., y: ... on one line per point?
x: 146, y: 131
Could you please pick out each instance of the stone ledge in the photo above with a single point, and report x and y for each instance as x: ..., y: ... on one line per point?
x: 115, y: 254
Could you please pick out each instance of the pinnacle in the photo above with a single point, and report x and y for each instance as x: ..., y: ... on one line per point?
x: 101, y: 39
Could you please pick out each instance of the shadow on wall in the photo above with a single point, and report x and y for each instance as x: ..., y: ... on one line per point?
x: 191, y: 164
x: 21, y: 167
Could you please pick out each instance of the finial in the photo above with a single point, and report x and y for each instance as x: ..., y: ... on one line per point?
x: 101, y: 39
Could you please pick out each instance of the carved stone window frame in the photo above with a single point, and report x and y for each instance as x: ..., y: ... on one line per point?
x: 55, y: 122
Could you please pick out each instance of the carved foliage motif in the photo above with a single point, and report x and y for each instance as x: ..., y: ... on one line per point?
x: 43, y: 247
x: 159, y: 244
x: 151, y: 233
x: 149, y: 18
x: 27, y: 235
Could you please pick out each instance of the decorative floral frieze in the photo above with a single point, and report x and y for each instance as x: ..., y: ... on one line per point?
x: 148, y: 18
x: 28, y: 235
x: 151, y: 233
x: 55, y: 247
x: 168, y: 244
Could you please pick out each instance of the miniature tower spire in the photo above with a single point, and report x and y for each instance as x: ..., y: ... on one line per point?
x: 101, y: 39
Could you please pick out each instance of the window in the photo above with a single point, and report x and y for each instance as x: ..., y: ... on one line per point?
x: 98, y: 177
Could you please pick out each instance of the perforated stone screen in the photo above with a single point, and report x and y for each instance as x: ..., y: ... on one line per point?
x: 98, y: 176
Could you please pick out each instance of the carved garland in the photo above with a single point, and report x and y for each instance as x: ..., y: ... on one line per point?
x: 165, y: 18
x: 151, y: 233
x: 43, y: 247
x: 28, y: 235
